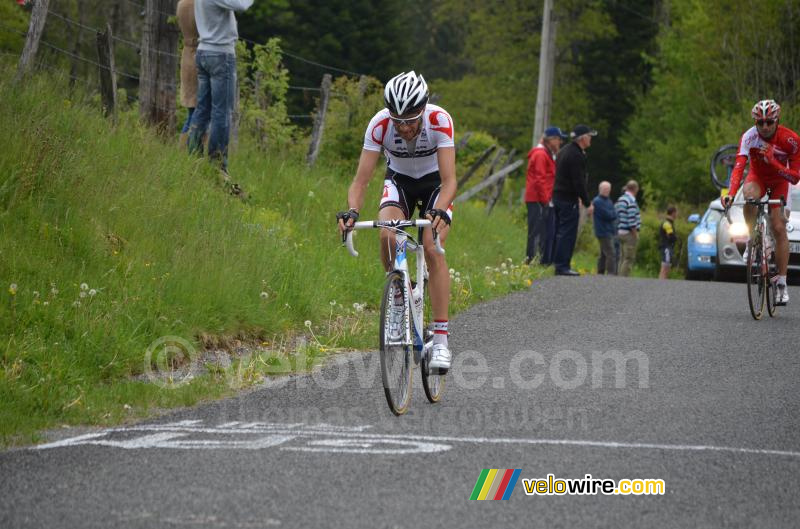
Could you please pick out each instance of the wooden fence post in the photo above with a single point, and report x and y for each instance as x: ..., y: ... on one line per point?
x: 463, y: 142
x: 319, y: 120
x: 498, y: 189
x: 466, y: 195
x: 35, y: 29
x: 159, y: 66
x: 108, y: 78
x: 471, y: 171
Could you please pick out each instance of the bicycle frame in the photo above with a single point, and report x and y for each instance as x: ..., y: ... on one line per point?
x: 413, y: 296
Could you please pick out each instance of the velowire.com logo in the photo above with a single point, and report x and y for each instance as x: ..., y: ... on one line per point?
x: 495, y: 484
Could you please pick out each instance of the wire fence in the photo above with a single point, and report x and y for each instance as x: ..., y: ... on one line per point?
x: 137, y: 46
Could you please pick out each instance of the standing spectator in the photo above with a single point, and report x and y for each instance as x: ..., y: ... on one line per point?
x: 185, y: 12
x: 569, y: 190
x: 666, y: 243
x: 605, y: 229
x: 630, y: 221
x: 538, y: 194
x: 216, y: 75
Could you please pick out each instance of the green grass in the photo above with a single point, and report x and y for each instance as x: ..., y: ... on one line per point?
x: 114, y: 239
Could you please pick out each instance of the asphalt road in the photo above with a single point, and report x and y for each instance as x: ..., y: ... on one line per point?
x: 616, y: 378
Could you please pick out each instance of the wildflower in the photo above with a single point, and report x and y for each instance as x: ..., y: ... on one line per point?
x: 333, y: 303
x: 35, y: 294
x: 54, y: 291
x: 92, y: 293
x: 307, y: 323
x: 458, y: 279
x: 505, y: 272
x: 492, y: 284
x: 510, y: 260
x: 76, y: 303
x: 503, y: 266
x: 528, y: 282
x: 359, y: 307
x: 487, y: 268
x: 264, y: 295
x: 310, y: 194
x: 452, y: 271
x: 46, y: 303
x: 12, y: 289
x: 82, y: 294
x: 84, y: 286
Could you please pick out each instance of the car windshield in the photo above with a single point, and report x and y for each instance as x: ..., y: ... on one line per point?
x: 795, y: 199
x: 712, y: 215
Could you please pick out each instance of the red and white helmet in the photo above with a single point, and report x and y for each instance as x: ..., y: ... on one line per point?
x: 404, y: 92
x: 766, y: 109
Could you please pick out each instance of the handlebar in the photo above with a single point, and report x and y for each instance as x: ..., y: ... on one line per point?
x: 754, y: 202
x: 394, y: 225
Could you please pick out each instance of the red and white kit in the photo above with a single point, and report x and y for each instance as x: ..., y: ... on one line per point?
x: 412, y: 174
x: 774, y: 163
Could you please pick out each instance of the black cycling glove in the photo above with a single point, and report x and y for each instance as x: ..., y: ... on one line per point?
x: 442, y: 214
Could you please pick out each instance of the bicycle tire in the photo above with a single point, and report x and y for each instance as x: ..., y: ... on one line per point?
x: 396, y: 360
x: 433, y: 384
x: 771, y: 291
x: 723, y: 155
x: 756, y: 284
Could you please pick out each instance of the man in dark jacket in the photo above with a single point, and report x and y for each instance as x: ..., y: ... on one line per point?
x: 605, y: 228
x: 568, y: 191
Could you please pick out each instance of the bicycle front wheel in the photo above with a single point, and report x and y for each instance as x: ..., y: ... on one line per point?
x: 756, y: 279
x: 396, y: 352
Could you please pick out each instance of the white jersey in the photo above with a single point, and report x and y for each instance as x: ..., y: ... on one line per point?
x: 421, y: 159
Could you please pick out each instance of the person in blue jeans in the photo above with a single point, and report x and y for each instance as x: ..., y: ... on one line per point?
x: 605, y: 229
x: 216, y: 75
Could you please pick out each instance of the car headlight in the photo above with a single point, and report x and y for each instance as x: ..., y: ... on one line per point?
x: 704, y: 238
x: 738, y: 229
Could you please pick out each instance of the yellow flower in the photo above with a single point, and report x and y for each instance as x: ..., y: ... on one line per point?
x: 12, y: 289
x: 528, y: 282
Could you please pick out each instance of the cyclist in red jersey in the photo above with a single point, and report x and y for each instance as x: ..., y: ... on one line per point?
x: 773, y: 152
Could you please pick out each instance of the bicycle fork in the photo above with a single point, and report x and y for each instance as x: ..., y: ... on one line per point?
x: 412, y: 294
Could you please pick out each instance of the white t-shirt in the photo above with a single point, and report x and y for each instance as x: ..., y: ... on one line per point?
x: 437, y: 131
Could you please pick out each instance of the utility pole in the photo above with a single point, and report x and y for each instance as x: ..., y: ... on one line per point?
x: 547, y: 53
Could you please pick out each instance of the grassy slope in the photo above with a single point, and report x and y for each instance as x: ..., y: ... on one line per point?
x: 166, y: 253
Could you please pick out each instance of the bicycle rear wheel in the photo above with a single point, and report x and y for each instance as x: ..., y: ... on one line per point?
x: 433, y: 384
x: 756, y: 279
x: 772, y: 290
x: 396, y: 353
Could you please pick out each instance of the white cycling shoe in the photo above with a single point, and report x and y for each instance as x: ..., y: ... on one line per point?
x: 782, y: 295
x: 440, y: 358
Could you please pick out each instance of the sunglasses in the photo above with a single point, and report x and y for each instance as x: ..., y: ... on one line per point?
x: 406, y: 121
x: 767, y: 122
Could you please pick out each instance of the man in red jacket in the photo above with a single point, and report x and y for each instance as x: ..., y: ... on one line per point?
x: 538, y: 192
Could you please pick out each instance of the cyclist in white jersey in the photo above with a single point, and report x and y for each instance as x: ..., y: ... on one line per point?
x: 417, y: 139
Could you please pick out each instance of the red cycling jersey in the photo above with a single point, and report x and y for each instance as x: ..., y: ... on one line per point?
x: 774, y: 163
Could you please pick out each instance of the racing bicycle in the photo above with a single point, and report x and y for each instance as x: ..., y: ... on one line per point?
x: 404, y: 336
x: 761, y: 270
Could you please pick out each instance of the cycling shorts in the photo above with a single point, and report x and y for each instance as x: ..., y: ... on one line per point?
x: 666, y: 255
x: 778, y: 185
x: 402, y: 191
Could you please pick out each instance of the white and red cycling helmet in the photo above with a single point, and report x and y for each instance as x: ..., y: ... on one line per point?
x: 405, y: 92
x: 766, y: 109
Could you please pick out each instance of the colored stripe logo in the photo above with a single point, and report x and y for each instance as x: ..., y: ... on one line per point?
x: 495, y: 484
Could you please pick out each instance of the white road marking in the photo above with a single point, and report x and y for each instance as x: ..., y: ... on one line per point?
x: 350, y: 439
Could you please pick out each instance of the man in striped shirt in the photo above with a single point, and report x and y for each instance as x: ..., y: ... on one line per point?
x: 630, y: 221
